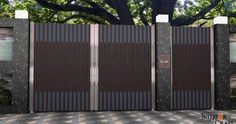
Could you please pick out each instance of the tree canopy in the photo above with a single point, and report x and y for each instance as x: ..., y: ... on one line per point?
x: 126, y: 12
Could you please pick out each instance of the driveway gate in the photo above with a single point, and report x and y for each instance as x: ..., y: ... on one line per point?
x: 191, y: 68
x: 91, y: 67
x: 124, y: 67
x: 61, y: 67
x: 108, y: 67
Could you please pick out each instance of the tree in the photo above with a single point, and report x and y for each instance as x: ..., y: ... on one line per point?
x: 126, y: 11
x: 191, y: 8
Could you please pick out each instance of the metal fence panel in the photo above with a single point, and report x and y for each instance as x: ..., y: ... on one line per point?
x: 61, y: 67
x: 124, y: 67
x: 191, y: 68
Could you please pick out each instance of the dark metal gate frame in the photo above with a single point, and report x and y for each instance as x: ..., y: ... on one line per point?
x: 124, y: 67
x: 94, y: 68
x: 211, y: 69
x: 94, y: 36
x: 62, y: 67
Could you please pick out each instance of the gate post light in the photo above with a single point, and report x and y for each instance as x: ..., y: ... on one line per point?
x: 163, y: 18
x: 21, y: 14
x: 221, y: 20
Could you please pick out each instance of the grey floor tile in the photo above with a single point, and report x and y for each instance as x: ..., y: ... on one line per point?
x: 123, y: 117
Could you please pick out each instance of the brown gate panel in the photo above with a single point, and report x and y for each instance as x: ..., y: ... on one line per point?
x: 61, y: 67
x: 124, y: 67
x: 191, y: 68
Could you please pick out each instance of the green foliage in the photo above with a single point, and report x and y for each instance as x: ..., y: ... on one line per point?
x: 186, y: 9
x: 5, y: 94
x: 192, y: 7
x: 136, y: 5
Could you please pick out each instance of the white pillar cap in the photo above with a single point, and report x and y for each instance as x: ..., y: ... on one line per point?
x: 21, y: 14
x: 164, y: 18
x: 221, y: 20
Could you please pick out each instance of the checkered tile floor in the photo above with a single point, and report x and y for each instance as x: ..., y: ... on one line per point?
x: 126, y: 117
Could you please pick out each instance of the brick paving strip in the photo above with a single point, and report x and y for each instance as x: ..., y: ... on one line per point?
x: 116, y: 117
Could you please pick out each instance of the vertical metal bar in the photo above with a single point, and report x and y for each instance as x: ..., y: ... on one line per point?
x: 96, y: 41
x: 212, y: 70
x: 31, y: 69
x: 153, y: 66
x: 91, y: 69
x: 171, y: 66
x: 94, y: 34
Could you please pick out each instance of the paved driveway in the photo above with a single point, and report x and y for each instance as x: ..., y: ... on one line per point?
x: 130, y: 117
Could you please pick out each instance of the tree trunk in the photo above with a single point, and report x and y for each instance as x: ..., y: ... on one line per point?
x: 162, y: 7
x: 123, y: 12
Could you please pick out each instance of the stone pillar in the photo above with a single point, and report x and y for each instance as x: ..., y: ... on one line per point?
x: 163, y: 64
x: 222, y: 64
x: 17, y: 67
